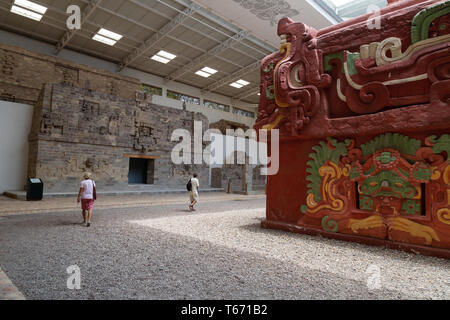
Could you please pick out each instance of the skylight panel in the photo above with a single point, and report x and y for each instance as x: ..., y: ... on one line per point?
x: 206, y: 72
x: 160, y: 59
x: 166, y: 55
x: 28, y: 9
x: 243, y: 82
x: 107, y: 37
x: 209, y: 70
x: 26, y: 13
x: 31, y: 6
x: 104, y: 40
x: 163, y: 57
x: 236, y: 85
x: 110, y: 34
x: 239, y: 84
x: 203, y: 74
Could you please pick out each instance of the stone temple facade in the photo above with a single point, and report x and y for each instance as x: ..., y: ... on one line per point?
x: 89, y: 119
x: 78, y: 129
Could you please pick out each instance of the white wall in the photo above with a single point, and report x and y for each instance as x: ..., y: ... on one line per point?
x: 15, y: 125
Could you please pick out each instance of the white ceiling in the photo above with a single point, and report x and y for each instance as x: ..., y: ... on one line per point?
x: 260, y: 17
x: 231, y: 36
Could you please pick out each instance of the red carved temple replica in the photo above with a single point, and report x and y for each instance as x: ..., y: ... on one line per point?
x: 364, y: 121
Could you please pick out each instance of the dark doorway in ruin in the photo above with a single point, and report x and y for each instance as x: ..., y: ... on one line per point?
x: 150, y: 171
x: 137, y: 173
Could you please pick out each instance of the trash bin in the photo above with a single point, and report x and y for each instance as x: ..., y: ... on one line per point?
x: 35, y: 189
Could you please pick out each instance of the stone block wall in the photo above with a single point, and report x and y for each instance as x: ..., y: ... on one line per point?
x: 241, y: 175
x: 23, y: 74
x: 77, y: 129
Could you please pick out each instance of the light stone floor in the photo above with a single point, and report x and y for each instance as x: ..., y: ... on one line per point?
x: 151, y: 247
x: 8, y: 290
x: 415, y: 276
x: 10, y: 206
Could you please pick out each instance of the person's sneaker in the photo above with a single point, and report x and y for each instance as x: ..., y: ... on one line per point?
x: 88, y: 224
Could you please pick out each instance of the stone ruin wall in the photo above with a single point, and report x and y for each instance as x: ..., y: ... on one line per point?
x: 24, y: 73
x: 77, y: 129
x: 87, y: 119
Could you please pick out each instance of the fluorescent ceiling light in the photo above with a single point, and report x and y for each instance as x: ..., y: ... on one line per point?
x: 108, y: 37
x: 26, y: 13
x: 166, y: 55
x: 206, y: 72
x: 163, y: 57
x: 103, y: 39
x: 209, y: 70
x: 160, y: 59
x: 236, y: 85
x: 203, y: 74
x: 110, y: 34
x: 243, y: 82
x: 239, y: 84
x: 31, y: 6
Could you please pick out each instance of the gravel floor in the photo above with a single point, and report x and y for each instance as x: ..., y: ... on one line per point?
x: 219, y: 252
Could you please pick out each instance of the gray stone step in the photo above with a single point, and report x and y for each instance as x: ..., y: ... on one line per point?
x: 21, y: 195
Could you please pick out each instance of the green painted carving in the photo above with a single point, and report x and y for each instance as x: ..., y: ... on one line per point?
x: 321, y: 154
x: 365, y: 203
x: 423, y: 19
x: 326, y: 60
x: 441, y: 144
x: 329, y: 224
x: 422, y: 173
x: 269, y: 94
x: 269, y: 68
x: 403, y: 172
x: 386, y: 157
x: 398, y: 187
x: 370, y: 171
x: 411, y: 207
x: 351, y: 58
x: 303, y: 208
x: 354, y: 173
x: 403, y: 144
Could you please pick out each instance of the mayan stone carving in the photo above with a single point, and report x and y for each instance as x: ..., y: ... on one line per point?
x: 69, y: 75
x: 270, y: 10
x: 9, y: 65
x: 364, y: 119
x: 52, y: 123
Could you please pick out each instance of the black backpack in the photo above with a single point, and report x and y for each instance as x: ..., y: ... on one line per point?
x: 189, y: 185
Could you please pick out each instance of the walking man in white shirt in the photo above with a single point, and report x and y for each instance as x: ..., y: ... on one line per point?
x: 193, y: 193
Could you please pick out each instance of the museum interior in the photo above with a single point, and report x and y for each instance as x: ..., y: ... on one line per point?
x: 325, y: 118
x: 100, y: 86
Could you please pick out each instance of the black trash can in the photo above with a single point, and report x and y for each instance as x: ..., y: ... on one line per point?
x: 35, y: 189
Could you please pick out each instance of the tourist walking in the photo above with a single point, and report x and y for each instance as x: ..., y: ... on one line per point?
x: 193, y: 191
x: 87, y: 195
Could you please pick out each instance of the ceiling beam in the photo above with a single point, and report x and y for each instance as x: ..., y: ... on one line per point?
x: 158, y: 36
x: 87, y: 11
x: 154, y: 30
x: 210, y: 53
x: 232, y: 77
x: 230, y: 27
